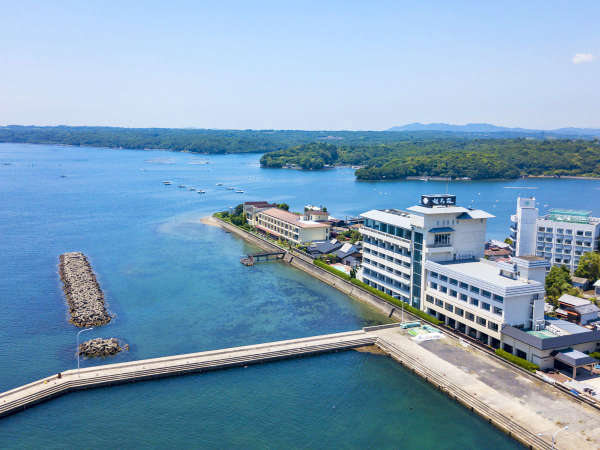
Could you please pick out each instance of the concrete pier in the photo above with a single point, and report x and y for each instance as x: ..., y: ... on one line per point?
x: 25, y: 396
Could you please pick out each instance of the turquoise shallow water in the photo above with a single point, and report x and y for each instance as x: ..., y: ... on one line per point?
x: 177, y: 286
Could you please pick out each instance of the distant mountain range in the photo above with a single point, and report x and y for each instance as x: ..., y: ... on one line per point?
x: 489, y: 128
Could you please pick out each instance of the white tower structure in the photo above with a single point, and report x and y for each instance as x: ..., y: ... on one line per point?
x: 524, y: 227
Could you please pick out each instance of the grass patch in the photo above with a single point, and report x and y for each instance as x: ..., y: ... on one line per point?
x: 518, y: 361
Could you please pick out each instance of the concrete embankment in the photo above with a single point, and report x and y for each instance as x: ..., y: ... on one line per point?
x: 82, y: 291
x: 25, y: 396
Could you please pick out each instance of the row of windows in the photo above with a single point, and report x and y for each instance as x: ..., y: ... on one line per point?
x: 465, y: 298
x: 385, y: 279
x: 563, y: 231
x: 386, y: 257
x: 462, y: 313
x: 386, y: 245
x: 386, y: 290
x: 279, y: 230
x: 389, y: 229
x: 548, y: 242
x: 386, y: 268
x: 465, y: 286
x: 390, y: 259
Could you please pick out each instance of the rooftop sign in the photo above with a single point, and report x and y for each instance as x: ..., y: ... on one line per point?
x: 431, y: 200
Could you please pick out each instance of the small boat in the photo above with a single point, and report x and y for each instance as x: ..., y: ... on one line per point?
x: 231, y: 188
x: 239, y: 191
x: 167, y: 183
x: 219, y: 184
x: 200, y: 191
x: 192, y: 189
x: 181, y: 186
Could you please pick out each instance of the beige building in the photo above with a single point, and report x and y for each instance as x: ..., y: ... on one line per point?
x: 290, y: 227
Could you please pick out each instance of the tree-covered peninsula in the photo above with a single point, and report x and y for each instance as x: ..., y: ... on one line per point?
x: 449, y: 157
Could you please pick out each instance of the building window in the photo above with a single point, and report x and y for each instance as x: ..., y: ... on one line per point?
x: 474, y: 301
x: 453, y: 282
x: 481, y: 321
x: 463, y: 285
x: 474, y: 290
x: 449, y: 307
x: 439, y: 303
x: 588, y: 233
x: 433, y: 285
x: 459, y: 312
x: 493, y: 326
x: 497, y: 310
x: 470, y: 316
x: 433, y: 274
x: 540, y: 228
x: 499, y: 298
x: 453, y: 293
x: 441, y: 239
x: 486, y: 294
x: 429, y: 298
x: 485, y: 306
x: 443, y: 289
x: 560, y: 230
x: 463, y: 297
x: 443, y: 278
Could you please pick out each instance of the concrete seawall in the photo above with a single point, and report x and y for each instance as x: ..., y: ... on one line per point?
x: 30, y: 394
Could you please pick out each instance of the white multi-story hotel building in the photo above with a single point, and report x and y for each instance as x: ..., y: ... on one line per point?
x: 430, y: 256
x: 560, y: 237
x: 397, y: 243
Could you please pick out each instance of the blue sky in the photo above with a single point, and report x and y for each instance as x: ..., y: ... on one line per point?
x: 300, y: 65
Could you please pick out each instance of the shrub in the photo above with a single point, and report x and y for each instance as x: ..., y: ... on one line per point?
x: 516, y: 360
x: 595, y: 355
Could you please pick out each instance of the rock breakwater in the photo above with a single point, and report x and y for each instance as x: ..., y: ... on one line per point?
x: 84, y: 296
x: 99, y: 347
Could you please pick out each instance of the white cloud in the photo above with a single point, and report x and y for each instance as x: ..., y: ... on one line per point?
x: 583, y: 58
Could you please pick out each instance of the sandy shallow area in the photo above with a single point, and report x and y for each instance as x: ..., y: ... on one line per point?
x: 209, y: 220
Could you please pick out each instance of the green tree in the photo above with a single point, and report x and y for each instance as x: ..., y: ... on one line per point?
x: 283, y: 206
x: 589, y: 266
x: 558, y: 281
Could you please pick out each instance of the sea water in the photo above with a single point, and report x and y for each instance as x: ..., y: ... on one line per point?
x: 175, y: 285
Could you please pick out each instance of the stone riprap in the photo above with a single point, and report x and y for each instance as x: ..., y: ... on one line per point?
x: 99, y: 347
x: 84, y: 296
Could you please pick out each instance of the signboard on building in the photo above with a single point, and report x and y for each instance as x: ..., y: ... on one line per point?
x: 432, y: 200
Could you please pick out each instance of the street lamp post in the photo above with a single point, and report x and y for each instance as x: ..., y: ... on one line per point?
x: 78, y: 333
x: 555, y: 433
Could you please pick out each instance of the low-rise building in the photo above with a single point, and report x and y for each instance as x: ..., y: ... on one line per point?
x: 315, y: 213
x: 558, y: 340
x: 577, y: 310
x: 561, y: 237
x: 290, y: 227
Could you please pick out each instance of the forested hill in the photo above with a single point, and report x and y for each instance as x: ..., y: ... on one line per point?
x: 450, y: 157
x: 199, y: 140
